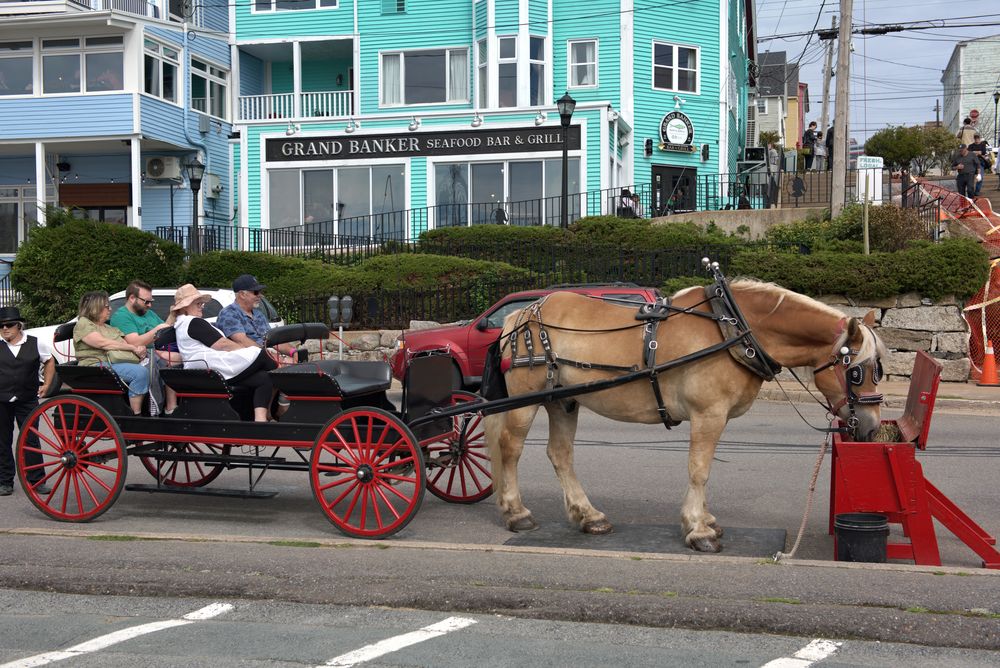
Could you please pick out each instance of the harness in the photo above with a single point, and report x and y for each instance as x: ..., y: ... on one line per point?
x: 738, y: 339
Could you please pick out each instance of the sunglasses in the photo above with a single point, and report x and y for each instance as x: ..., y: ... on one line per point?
x: 147, y: 302
x: 253, y: 292
x: 12, y: 323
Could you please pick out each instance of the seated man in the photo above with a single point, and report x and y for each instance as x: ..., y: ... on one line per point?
x: 139, y: 324
x: 243, y: 322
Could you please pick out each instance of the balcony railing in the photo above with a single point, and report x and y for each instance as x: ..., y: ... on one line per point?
x: 322, y: 104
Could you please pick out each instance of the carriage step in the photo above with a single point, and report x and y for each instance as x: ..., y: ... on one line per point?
x: 205, y: 458
x: 202, y: 491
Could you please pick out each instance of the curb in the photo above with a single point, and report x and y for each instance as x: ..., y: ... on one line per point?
x: 944, y: 403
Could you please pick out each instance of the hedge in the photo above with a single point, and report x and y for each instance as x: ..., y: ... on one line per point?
x: 60, y: 262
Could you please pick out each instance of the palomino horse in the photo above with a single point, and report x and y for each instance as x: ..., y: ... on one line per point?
x: 586, y: 340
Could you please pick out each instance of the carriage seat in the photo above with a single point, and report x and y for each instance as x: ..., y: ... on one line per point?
x: 297, y: 333
x: 332, y: 377
x: 98, y: 379
x: 63, y: 333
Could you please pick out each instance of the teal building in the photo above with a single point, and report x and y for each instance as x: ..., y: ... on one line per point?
x: 389, y: 117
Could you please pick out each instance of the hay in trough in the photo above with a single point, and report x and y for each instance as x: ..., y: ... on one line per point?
x: 888, y: 432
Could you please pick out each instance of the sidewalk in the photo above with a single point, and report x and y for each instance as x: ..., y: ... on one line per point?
x: 968, y: 396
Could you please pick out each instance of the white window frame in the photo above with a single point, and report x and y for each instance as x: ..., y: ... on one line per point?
x: 210, y: 78
x: 571, y: 64
x: 81, y: 51
x: 675, y: 67
x: 482, y: 73
x: 758, y: 105
x: 507, y: 61
x: 543, y: 63
x: 161, y: 58
x: 448, y: 50
x: 317, y: 5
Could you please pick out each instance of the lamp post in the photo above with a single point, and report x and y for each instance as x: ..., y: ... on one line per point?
x: 196, y: 171
x: 996, y: 103
x: 566, y: 106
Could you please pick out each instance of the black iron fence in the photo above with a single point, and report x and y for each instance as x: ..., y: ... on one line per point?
x: 8, y: 295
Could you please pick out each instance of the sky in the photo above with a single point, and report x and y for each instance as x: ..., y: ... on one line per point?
x: 895, y: 78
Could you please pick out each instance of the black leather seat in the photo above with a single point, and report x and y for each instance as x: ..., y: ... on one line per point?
x: 342, y: 378
x: 297, y: 333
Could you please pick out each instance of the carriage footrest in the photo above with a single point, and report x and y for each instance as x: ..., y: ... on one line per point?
x: 205, y: 458
x: 202, y: 491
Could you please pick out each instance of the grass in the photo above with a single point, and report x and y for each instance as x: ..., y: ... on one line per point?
x: 121, y: 538
x: 294, y: 543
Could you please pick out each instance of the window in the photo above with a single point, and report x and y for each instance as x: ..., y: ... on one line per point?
x: 93, y: 62
x: 508, y: 71
x: 16, y: 76
x: 536, y: 71
x: 761, y: 105
x: 347, y: 201
x: 294, y: 5
x: 583, y: 63
x: 425, y: 77
x: 484, y: 73
x: 180, y: 10
x: 17, y: 214
x: 160, y: 71
x: 208, y: 89
x: 393, y: 6
x: 675, y: 67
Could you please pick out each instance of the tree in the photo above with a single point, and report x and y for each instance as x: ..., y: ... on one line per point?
x: 897, y: 145
x: 768, y: 137
x: 939, y: 145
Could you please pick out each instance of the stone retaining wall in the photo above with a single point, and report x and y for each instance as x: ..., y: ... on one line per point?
x: 906, y: 324
x: 909, y: 323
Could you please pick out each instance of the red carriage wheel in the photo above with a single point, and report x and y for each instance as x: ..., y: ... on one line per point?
x: 458, y: 463
x: 180, y: 473
x: 367, y: 473
x: 82, y: 458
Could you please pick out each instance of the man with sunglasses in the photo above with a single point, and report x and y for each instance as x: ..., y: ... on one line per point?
x: 21, y: 357
x: 139, y: 324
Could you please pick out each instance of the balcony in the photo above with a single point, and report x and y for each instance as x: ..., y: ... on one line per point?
x: 30, y: 7
x: 322, y: 104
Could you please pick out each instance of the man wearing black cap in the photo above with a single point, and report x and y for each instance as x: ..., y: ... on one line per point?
x: 966, y: 167
x: 980, y: 149
x: 242, y: 321
x: 21, y: 356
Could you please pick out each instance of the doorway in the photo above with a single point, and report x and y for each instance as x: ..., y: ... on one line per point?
x: 674, y: 189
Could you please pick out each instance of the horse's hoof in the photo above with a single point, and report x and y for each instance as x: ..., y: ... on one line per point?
x: 717, y: 529
x: 522, y: 524
x: 597, y: 527
x: 705, y: 544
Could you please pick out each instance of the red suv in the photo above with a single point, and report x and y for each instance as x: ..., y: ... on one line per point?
x: 466, y: 343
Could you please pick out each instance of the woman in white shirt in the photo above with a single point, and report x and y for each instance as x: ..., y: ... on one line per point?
x: 200, y: 345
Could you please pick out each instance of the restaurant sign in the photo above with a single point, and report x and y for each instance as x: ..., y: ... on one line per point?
x: 412, y: 144
x: 677, y: 133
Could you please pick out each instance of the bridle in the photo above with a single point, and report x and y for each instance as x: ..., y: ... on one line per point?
x: 850, y: 376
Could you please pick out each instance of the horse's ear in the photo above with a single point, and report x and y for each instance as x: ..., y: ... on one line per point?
x: 852, y: 328
x: 869, y: 319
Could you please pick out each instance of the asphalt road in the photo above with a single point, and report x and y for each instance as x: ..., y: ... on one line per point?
x: 453, y: 559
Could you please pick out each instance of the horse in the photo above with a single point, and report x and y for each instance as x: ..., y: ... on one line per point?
x: 573, y: 339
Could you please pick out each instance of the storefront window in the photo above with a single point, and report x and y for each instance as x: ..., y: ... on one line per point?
x: 15, y: 68
x: 285, y: 199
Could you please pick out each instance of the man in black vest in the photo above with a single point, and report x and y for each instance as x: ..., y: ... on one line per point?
x: 21, y: 356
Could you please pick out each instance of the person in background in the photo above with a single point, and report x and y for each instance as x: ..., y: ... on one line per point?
x: 773, y: 167
x: 819, y: 151
x: 829, y: 148
x: 98, y: 343
x: 140, y: 324
x: 626, y: 207
x: 967, y: 133
x: 637, y: 207
x: 22, y: 358
x: 809, y: 144
x: 966, y: 166
x: 980, y: 148
x: 201, y: 344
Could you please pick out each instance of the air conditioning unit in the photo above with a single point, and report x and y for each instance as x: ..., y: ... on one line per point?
x: 163, y: 167
x: 212, y: 185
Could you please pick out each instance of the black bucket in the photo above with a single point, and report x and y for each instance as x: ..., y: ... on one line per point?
x: 861, y: 537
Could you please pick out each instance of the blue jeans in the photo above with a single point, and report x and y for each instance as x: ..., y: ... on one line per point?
x: 135, y: 376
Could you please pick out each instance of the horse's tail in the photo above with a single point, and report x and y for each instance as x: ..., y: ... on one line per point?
x: 494, y: 426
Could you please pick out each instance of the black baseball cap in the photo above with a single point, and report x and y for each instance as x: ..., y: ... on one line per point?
x: 247, y: 282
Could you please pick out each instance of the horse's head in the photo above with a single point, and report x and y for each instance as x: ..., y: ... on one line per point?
x: 849, y: 379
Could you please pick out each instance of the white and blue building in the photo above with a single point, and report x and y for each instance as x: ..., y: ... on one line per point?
x: 364, y: 117
x: 102, y: 105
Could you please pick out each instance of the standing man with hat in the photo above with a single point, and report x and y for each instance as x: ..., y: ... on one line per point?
x: 21, y: 356
x: 243, y: 321
x: 966, y: 167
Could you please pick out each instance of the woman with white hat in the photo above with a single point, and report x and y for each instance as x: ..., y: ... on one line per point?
x: 200, y: 345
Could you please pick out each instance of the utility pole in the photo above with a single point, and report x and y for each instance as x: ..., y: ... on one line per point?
x: 937, y: 113
x: 827, y: 75
x: 841, y: 120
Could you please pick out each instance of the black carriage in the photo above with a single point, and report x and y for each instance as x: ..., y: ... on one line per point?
x: 367, y: 467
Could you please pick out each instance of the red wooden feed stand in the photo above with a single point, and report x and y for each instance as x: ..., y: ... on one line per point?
x: 886, y: 478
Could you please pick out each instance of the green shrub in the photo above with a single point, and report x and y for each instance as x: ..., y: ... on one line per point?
x: 890, y: 228
x: 58, y: 263
x: 418, y: 270
x: 675, y: 285
x: 953, y: 266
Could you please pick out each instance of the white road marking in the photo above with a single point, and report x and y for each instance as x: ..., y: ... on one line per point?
x: 101, y: 642
x: 389, y: 645
x: 817, y: 650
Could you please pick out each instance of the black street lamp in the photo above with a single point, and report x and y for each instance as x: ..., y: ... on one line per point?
x: 566, y: 106
x: 196, y: 171
x: 996, y: 103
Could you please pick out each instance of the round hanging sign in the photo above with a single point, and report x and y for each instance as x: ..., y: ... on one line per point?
x: 676, y: 132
